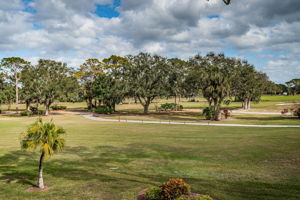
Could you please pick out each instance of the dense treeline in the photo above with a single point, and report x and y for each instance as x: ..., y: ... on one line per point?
x: 143, y: 77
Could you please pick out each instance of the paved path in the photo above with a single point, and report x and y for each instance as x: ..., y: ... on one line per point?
x: 91, y: 117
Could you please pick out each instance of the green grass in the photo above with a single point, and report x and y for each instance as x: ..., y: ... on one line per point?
x: 114, y: 161
x: 199, y: 118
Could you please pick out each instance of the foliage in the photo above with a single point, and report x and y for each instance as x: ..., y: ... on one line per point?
x: 103, y: 110
x: 146, y: 78
x: 52, y: 78
x: 171, y: 106
x: 174, y: 188
x: 293, y: 86
x: 13, y: 67
x: 296, y: 112
x: 213, y: 74
x: 26, y: 113
x: 45, y: 136
x: 249, y: 85
x: 58, y: 107
x: 87, y: 74
x: 207, y: 113
x: 154, y: 193
x: 35, y: 111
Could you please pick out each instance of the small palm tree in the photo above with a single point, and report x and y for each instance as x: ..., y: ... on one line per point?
x: 46, y: 137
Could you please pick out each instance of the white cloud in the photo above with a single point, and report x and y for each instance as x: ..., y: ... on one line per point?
x: 68, y: 30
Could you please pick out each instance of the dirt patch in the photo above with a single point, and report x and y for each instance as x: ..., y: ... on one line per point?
x: 35, y: 188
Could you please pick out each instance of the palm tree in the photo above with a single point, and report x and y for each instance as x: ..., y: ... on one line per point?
x: 46, y: 137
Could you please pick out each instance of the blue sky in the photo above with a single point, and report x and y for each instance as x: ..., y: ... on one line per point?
x: 108, y: 10
x: 266, y: 33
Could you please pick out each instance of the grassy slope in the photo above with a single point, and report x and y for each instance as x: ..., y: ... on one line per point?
x: 114, y: 161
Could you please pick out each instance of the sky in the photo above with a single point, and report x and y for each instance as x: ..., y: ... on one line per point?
x: 264, y: 32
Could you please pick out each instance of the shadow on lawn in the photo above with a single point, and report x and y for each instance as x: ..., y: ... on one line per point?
x: 95, y: 165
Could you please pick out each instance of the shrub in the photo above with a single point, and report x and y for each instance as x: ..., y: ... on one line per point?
x: 153, y: 193
x: 103, y: 110
x: 203, y: 197
x: 296, y: 112
x: 33, y: 109
x: 174, y: 188
x: 26, y: 113
x: 57, y: 107
x: 170, y: 106
x: 207, y: 113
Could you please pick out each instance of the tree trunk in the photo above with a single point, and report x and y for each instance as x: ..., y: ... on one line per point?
x: 217, y: 114
x: 146, y: 108
x: 176, y: 102
x: 17, y: 90
x: 90, y: 102
x: 41, y: 180
x: 246, y: 104
x: 249, y: 104
x: 47, y: 110
x: 27, y: 105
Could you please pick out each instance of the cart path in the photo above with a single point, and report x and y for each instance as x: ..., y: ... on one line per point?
x: 91, y: 117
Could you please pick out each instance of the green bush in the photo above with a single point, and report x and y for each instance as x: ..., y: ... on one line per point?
x: 203, y: 197
x: 207, y: 113
x: 174, y: 189
x: 296, y: 112
x: 26, y: 113
x: 35, y: 111
x: 153, y: 193
x: 170, y: 106
x: 103, y: 110
x: 57, y: 107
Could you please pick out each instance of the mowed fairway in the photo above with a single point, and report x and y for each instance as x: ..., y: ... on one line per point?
x: 114, y: 161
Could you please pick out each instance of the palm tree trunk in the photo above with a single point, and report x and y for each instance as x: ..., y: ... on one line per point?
x: 41, y: 180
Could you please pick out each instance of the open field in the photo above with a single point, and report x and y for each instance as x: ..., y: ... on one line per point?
x: 268, y: 103
x: 116, y: 160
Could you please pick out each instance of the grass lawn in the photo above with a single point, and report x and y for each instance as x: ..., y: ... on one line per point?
x: 114, y: 161
x: 197, y: 117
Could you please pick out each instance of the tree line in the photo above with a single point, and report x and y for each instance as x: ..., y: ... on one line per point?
x: 144, y: 77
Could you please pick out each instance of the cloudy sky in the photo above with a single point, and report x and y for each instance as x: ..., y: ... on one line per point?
x: 265, y: 32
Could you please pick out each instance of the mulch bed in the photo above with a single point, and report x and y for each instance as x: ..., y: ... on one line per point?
x: 34, y: 188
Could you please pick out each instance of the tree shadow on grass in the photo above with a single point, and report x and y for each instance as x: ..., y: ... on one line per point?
x: 81, y: 164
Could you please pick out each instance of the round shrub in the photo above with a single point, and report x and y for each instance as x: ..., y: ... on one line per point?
x: 175, y: 188
x: 57, y: 107
x: 153, y: 193
x: 203, y: 197
x: 26, y: 113
x: 103, y: 110
x: 171, y: 106
x: 207, y: 113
